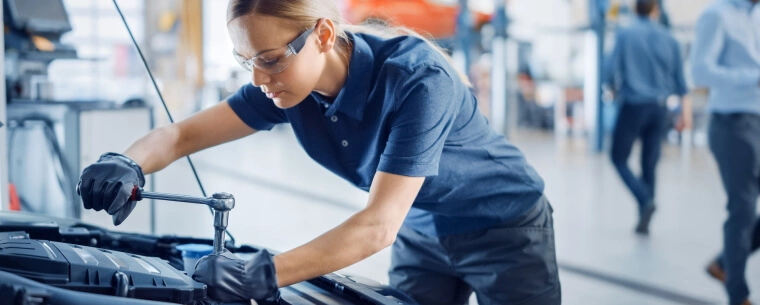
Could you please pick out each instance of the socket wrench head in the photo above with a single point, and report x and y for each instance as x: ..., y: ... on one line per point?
x: 222, y: 201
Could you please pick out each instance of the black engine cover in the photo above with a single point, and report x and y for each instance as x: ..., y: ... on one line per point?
x: 100, y: 271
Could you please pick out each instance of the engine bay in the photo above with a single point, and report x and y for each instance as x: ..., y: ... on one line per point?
x: 45, y: 260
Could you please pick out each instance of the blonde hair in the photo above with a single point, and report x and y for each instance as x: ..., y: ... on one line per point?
x: 305, y: 14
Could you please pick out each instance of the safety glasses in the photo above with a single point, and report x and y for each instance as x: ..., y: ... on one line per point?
x: 275, y: 61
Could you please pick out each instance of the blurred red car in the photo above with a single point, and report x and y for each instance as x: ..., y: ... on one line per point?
x: 427, y: 17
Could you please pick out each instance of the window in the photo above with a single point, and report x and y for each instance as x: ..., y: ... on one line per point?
x: 109, y: 68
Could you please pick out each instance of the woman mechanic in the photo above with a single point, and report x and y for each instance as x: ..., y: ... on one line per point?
x: 386, y: 111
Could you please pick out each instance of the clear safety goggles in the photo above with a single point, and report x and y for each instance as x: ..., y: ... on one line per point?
x: 274, y: 61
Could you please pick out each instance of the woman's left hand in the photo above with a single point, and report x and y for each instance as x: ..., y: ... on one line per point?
x: 231, y: 279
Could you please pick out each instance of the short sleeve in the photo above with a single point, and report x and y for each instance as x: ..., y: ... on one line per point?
x: 427, y: 103
x: 255, y: 109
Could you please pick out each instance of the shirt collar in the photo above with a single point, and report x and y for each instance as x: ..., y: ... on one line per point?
x: 352, y: 98
x: 644, y: 20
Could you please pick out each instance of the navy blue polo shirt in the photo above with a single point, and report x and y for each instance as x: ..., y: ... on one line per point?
x: 403, y: 110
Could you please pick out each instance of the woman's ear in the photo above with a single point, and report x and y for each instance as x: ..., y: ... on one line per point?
x: 326, y: 35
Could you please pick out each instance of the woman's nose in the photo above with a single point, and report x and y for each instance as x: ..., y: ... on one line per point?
x: 259, y: 77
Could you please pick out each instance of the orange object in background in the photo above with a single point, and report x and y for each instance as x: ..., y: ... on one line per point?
x: 426, y: 17
x: 15, y: 202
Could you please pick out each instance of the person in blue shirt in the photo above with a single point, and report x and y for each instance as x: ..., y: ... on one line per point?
x: 726, y: 60
x: 645, y: 69
x: 462, y: 208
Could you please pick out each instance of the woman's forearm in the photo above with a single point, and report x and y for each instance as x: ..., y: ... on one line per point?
x: 156, y: 150
x: 363, y: 234
x: 354, y: 240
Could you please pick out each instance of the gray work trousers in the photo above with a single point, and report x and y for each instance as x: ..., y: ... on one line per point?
x: 512, y: 264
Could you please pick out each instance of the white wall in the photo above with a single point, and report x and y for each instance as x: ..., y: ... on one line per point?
x: 217, y: 46
x: 548, y: 25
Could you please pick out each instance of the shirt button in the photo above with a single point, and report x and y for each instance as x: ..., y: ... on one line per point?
x: 344, y: 143
x: 334, y: 119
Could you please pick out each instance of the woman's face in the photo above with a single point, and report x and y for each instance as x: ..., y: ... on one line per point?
x: 267, y: 38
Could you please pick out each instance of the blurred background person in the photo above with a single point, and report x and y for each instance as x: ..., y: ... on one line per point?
x: 645, y: 69
x: 726, y: 59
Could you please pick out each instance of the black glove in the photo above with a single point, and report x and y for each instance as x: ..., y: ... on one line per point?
x: 108, y: 184
x: 231, y: 279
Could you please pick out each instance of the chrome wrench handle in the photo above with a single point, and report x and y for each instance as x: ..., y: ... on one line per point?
x: 221, y: 203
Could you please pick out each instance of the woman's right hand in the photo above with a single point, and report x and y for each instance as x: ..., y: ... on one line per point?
x: 108, y: 185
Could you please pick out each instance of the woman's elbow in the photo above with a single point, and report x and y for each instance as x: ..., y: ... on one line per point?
x: 381, y: 239
x: 388, y: 240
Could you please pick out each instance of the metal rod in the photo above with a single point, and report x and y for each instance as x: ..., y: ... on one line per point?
x: 174, y: 197
x: 218, y: 241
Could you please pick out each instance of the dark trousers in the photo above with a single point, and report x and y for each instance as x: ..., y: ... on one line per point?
x: 648, y: 122
x: 735, y: 144
x: 513, y: 264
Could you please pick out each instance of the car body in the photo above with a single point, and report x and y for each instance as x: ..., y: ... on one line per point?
x: 428, y: 17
